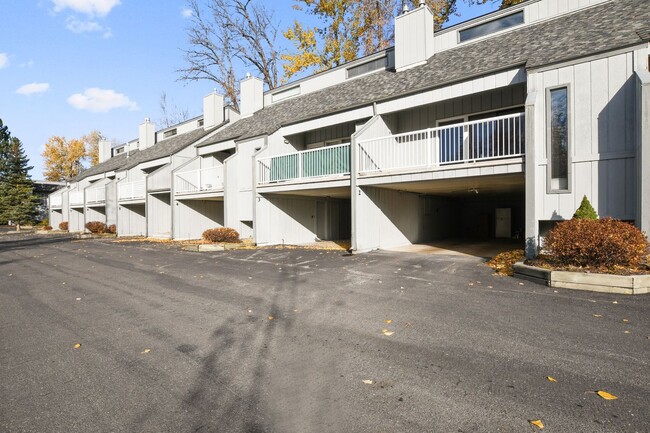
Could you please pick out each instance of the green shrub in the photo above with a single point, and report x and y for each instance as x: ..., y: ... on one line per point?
x: 597, y: 243
x: 44, y: 223
x: 586, y: 210
x: 96, y: 227
x: 221, y: 234
x: 112, y: 229
x: 63, y: 225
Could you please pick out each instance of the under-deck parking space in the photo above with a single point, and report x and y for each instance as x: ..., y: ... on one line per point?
x: 159, y: 216
x: 487, y: 208
x: 132, y: 220
x: 314, y: 215
x: 96, y: 213
x: 76, y: 223
x: 193, y: 217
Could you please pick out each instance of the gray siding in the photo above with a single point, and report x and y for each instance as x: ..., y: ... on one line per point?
x: 159, y: 215
x: 193, y: 217
x: 602, y: 138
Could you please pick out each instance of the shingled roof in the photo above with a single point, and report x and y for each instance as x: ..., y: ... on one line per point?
x: 606, y: 27
x: 169, y: 146
x: 112, y: 164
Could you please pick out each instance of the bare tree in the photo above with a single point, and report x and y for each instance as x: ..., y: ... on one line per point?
x: 171, y: 114
x: 225, y: 38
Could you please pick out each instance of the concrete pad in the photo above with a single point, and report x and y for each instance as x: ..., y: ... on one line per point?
x: 484, y: 249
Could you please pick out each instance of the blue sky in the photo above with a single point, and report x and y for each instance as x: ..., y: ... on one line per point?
x: 70, y: 66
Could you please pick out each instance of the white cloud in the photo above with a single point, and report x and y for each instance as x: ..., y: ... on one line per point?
x: 101, y: 100
x: 27, y: 64
x: 186, y: 12
x: 89, y: 7
x: 77, y: 26
x: 4, y: 60
x: 31, y: 88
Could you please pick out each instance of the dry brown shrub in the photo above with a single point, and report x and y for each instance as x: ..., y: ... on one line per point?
x: 602, y: 243
x: 96, y: 227
x: 112, y: 229
x: 63, y: 225
x: 221, y: 234
x: 502, y: 263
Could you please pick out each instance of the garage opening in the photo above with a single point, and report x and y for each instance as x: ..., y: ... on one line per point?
x: 483, y: 214
x: 96, y: 213
x: 304, y: 219
x: 193, y: 217
x: 132, y: 220
x: 159, y: 217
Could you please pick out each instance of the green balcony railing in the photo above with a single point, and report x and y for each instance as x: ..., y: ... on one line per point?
x: 314, y: 163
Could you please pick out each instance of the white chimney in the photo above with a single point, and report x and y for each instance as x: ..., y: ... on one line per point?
x: 212, y: 110
x: 251, y: 95
x: 104, y: 150
x: 413, y: 37
x: 147, y: 135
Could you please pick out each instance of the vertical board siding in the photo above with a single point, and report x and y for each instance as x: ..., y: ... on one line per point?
x: 602, y: 110
x: 159, y: 215
x: 193, y: 217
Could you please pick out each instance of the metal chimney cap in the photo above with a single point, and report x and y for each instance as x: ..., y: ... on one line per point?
x: 405, y: 8
x: 423, y: 2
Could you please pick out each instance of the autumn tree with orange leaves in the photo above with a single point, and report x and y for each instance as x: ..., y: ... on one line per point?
x: 352, y: 28
x: 63, y: 159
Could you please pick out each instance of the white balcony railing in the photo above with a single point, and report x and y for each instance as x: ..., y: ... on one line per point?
x: 56, y: 200
x: 131, y: 190
x: 96, y: 195
x: 76, y: 197
x: 494, y: 138
x: 329, y: 161
x: 201, y: 180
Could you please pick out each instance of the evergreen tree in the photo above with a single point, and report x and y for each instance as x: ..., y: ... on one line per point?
x: 17, y: 199
x: 586, y: 210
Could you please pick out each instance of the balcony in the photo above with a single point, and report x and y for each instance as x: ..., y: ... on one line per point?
x: 462, y: 143
x: 96, y: 195
x: 56, y: 201
x: 76, y: 198
x: 324, y: 162
x: 197, y: 181
x: 131, y: 190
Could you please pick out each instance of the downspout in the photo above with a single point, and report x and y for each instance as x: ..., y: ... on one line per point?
x: 254, y: 189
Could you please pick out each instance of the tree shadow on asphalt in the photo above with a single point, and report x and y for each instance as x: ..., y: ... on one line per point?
x: 32, y: 241
x: 228, y: 392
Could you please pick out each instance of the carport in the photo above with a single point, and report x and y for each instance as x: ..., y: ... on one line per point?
x: 302, y: 216
x: 192, y: 216
x: 468, y: 210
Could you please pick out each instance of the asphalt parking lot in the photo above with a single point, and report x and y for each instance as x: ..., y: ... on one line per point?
x: 291, y: 340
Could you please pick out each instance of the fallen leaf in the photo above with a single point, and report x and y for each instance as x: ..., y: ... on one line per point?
x: 368, y: 382
x: 77, y: 346
x: 490, y: 287
x: 606, y: 395
x: 597, y: 315
x: 78, y: 299
x: 386, y: 332
x: 551, y: 379
x: 537, y: 423
x: 625, y: 320
x: 615, y: 302
x: 388, y: 321
x: 521, y: 284
x: 146, y: 351
x: 626, y: 332
x: 270, y: 317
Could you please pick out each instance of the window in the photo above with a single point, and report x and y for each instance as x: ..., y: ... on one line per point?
x: 169, y: 133
x: 284, y: 94
x: 364, y: 68
x: 490, y: 27
x: 200, y: 122
x: 558, y: 138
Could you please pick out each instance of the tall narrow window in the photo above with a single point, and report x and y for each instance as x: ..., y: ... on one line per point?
x: 558, y: 138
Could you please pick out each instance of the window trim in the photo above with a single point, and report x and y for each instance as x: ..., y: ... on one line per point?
x: 549, y: 160
x: 480, y: 24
